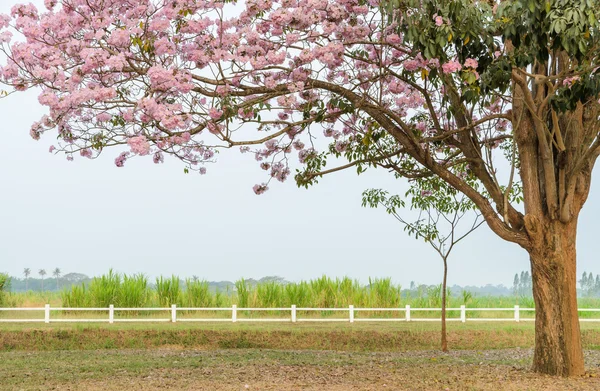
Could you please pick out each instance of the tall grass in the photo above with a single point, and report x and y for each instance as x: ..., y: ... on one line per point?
x: 76, y: 297
x: 197, y: 294
x: 323, y: 292
x: 112, y: 288
x: 134, y: 291
x: 168, y: 291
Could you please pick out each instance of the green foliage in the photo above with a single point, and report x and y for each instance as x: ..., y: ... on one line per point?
x: 168, y: 291
x: 104, y: 290
x: 243, y: 293
x: 538, y: 27
x: 197, y: 294
x: 134, y: 291
x: 4, y: 287
x: 467, y: 35
x: 76, y: 297
x: 112, y: 288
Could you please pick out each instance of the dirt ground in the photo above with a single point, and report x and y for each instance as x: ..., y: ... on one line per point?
x: 252, y: 369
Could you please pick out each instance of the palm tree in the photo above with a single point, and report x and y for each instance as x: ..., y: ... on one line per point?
x: 56, y: 273
x: 26, y: 273
x: 42, y: 273
x: 195, y: 278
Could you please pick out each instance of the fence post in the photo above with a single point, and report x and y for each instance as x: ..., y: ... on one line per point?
x: 463, y: 314
x: 47, y: 313
x: 407, y: 313
x: 293, y: 313
x: 517, y: 314
x: 351, y: 309
x: 234, y: 313
x: 173, y: 313
x: 111, y: 314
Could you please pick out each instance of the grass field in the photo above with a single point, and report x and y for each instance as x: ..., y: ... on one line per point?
x: 336, y: 357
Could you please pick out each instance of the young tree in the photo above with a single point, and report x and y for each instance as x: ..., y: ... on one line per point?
x: 499, y: 103
x: 440, y: 222
x: 57, y: 273
x: 42, y: 273
x: 589, y: 287
x: 27, y: 273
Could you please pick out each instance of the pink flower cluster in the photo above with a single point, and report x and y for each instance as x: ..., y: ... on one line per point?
x: 139, y: 145
x: 451, y: 67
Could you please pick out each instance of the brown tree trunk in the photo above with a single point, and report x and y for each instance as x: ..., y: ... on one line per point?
x: 553, y: 268
x: 444, y: 337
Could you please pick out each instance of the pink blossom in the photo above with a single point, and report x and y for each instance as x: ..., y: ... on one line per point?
x: 393, y: 39
x: 50, y: 4
x: 4, y: 21
x: 214, y: 113
x: 341, y: 146
x: 451, y: 67
x: 260, y: 189
x: 86, y: 152
x: 51, y: 149
x: 304, y: 154
x: 158, y: 157
x: 298, y: 145
x: 5, y: 36
x: 120, y: 160
x: 569, y: 81
x: 139, y: 145
x: 471, y: 63
x: 202, y: 170
x: 439, y: 21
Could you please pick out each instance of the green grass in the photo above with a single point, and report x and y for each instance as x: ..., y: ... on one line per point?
x: 341, y: 336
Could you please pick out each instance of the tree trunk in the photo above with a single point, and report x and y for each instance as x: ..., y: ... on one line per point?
x: 557, y: 335
x: 444, y: 337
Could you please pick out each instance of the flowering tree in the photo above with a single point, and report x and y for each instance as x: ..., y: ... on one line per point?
x: 499, y: 103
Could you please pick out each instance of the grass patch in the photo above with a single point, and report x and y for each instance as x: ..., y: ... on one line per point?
x: 340, y: 337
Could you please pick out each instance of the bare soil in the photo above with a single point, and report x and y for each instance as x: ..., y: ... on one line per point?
x: 255, y: 369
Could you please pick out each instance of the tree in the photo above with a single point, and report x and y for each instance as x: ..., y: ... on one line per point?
x: 516, y: 285
x: 583, y: 281
x: 499, y: 103
x: 56, y: 273
x: 42, y: 273
x: 4, y: 287
x: 440, y: 223
x: 27, y: 273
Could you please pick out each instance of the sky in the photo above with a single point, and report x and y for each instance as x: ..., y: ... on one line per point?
x: 88, y: 216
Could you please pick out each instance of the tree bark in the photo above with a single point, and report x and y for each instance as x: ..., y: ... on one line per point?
x: 444, y: 336
x: 557, y: 335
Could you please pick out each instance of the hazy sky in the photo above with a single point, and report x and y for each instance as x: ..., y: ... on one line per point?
x: 87, y: 216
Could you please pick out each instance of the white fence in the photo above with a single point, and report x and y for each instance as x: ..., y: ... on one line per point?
x: 351, y: 311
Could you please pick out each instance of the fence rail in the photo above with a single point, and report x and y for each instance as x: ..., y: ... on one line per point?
x: 293, y: 310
